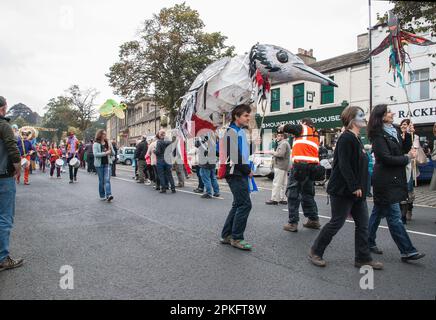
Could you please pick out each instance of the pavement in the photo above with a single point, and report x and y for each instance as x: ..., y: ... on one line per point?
x: 146, y: 245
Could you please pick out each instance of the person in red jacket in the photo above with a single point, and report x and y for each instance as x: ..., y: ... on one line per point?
x: 55, y: 153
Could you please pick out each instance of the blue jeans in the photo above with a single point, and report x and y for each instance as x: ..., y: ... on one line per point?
x: 208, y: 176
x: 237, y: 219
x: 392, y: 213
x: 165, y: 175
x: 7, y: 211
x: 104, y: 181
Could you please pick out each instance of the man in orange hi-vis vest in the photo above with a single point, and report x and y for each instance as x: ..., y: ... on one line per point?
x: 301, y: 185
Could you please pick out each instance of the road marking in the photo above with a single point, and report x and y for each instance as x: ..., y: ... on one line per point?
x: 178, y: 190
x: 382, y: 227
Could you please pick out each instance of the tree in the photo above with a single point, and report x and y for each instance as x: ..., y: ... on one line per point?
x: 20, y: 122
x: 172, y: 50
x: 417, y: 16
x: 83, y: 102
x: 59, y: 115
x: 128, y: 76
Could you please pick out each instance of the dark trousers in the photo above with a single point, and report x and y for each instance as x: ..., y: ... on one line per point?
x: 301, y: 193
x: 165, y: 175
x: 73, y: 171
x: 341, y: 207
x: 392, y: 213
x: 90, y: 160
x: 237, y: 219
x: 42, y: 163
x: 52, y: 169
x: 156, y: 177
x: 113, y: 169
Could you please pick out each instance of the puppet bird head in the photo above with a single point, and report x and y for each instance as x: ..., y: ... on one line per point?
x: 280, y: 65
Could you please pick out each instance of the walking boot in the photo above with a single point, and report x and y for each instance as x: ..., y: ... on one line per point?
x: 316, y: 260
x: 312, y: 224
x: 291, y: 227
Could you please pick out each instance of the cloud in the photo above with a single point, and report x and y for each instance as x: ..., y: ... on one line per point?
x: 48, y: 45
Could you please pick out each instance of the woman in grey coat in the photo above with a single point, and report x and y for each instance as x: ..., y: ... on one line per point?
x: 103, y: 159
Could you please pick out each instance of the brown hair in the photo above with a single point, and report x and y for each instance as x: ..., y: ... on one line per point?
x: 307, y: 122
x: 99, y: 135
x: 348, y: 116
x: 240, y: 110
x: 405, y: 121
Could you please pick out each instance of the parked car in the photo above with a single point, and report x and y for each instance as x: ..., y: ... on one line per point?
x: 263, y: 162
x: 126, y: 155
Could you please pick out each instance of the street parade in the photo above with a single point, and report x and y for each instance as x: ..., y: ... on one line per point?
x: 193, y: 181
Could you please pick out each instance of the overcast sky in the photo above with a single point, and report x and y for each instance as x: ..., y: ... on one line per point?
x: 48, y: 45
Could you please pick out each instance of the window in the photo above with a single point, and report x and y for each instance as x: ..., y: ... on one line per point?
x: 419, y: 87
x: 299, y: 96
x: 327, y: 93
x: 275, y: 100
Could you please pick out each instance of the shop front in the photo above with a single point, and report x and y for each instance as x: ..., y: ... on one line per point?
x: 327, y: 121
x: 423, y: 116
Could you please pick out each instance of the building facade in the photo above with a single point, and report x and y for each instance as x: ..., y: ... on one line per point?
x: 293, y: 101
x: 143, y: 117
x: 419, y: 77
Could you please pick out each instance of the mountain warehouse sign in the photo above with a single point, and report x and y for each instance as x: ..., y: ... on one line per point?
x: 322, y: 118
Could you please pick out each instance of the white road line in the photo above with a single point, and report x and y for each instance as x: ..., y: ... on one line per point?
x: 382, y: 227
x: 178, y: 190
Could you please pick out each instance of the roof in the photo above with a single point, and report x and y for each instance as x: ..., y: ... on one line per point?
x: 342, y: 62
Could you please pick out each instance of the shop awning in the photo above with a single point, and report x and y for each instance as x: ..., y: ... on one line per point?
x: 325, y: 118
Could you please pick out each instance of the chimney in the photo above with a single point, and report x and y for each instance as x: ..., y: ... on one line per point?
x: 362, y: 42
x: 306, y: 56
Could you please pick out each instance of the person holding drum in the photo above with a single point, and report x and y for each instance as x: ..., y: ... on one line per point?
x: 55, y: 160
x: 72, y: 151
x: 26, y: 150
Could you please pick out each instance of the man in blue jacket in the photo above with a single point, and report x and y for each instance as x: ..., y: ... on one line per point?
x: 237, y: 176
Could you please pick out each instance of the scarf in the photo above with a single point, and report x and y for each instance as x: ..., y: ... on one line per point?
x: 390, y: 130
x: 244, y: 149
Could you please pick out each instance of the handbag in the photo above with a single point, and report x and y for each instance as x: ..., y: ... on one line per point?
x: 421, y: 158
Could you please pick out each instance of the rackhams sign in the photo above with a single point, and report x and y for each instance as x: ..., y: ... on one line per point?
x: 420, y: 113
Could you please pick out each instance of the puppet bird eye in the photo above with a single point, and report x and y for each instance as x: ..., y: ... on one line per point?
x: 282, y: 56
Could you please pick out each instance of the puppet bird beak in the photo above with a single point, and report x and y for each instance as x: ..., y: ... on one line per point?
x: 309, y: 74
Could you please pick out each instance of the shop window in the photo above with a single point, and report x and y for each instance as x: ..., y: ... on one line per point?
x: 275, y: 100
x: 419, y: 87
x: 299, y: 96
x: 328, y: 93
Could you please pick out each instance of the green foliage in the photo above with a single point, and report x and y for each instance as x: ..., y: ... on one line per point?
x: 172, y: 50
x: 59, y: 115
x: 20, y: 122
x: 82, y: 101
x: 416, y: 16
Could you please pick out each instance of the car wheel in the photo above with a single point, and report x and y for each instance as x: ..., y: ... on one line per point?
x: 128, y: 162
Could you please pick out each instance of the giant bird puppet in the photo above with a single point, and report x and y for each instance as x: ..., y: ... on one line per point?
x: 229, y: 82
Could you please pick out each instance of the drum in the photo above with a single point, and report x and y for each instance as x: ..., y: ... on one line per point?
x: 59, y: 163
x: 24, y: 163
x: 75, y: 163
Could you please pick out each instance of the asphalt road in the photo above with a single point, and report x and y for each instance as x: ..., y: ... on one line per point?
x: 151, y: 246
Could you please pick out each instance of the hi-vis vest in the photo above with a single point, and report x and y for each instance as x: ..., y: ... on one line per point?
x: 306, y: 147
